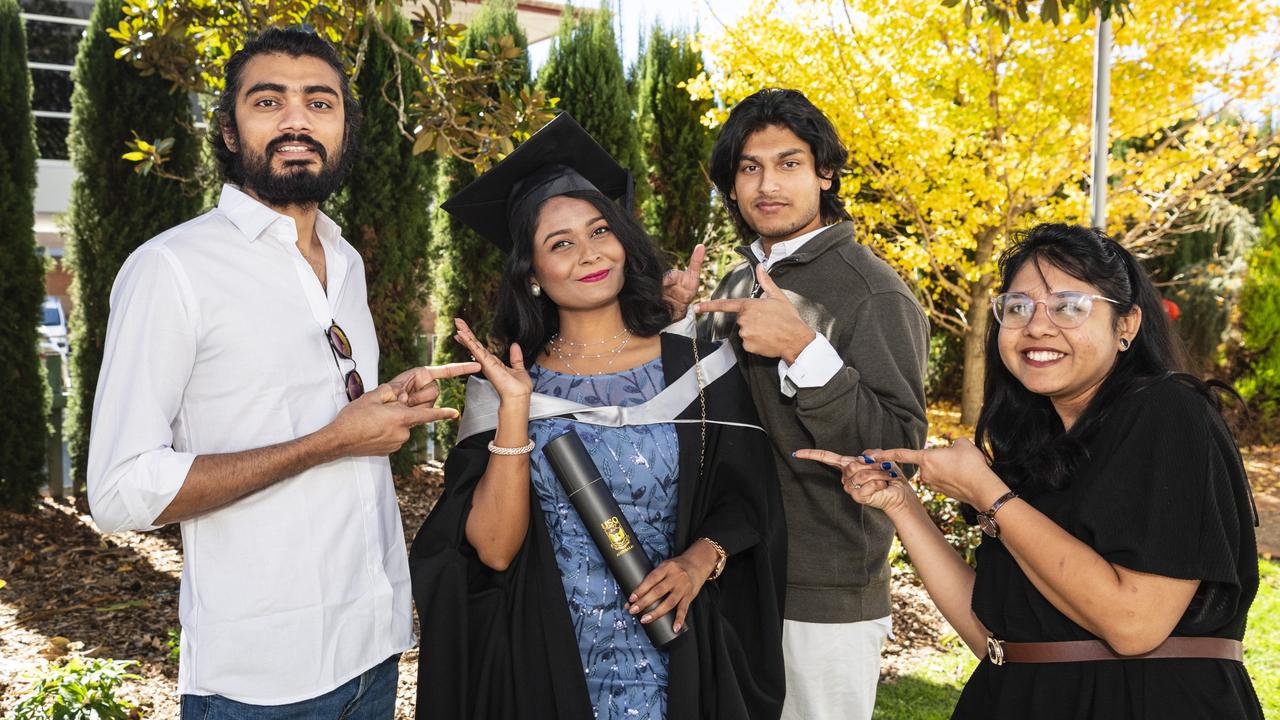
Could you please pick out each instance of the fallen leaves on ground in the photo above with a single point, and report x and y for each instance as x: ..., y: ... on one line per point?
x: 68, y: 590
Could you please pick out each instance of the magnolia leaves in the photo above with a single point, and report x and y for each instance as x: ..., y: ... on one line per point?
x: 473, y: 107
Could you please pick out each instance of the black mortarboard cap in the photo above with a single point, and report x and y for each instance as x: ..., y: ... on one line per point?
x: 559, y: 158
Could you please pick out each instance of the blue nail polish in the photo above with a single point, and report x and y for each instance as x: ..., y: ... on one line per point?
x: 893, y: 474
x: 867, y: 459
x: 793, y: 453
x: 886, y: 465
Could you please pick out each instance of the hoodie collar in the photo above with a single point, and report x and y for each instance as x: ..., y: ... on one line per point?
x: 809, y: 246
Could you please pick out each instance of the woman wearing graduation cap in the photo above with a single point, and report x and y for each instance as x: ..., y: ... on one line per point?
x: 520, y: 616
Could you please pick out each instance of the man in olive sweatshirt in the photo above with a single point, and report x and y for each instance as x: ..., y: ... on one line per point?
x: 834, y: 346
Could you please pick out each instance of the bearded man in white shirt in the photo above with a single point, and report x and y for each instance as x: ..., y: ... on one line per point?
x: 232, y: 399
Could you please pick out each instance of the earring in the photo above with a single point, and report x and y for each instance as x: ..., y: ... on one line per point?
x: 536, y: 289
x: 1124, y: 344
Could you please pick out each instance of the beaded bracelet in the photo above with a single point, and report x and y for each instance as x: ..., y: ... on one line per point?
x: 522, y: 450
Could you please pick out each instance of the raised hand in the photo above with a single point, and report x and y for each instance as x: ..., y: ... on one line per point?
x: 959, y: 471
x: 511, y: 381
x: 769, y: 326
x: 680, y: 287
x: 868, y: 479
x: 418, y: 386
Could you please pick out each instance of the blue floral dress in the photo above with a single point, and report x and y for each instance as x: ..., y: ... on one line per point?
x: 626, y: 675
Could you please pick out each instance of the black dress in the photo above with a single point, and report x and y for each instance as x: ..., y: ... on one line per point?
x: 501, y: 645
x: 1163, y: 491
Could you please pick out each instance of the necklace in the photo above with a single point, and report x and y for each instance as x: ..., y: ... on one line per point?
x: 558, y: 339
x: 557, y: 346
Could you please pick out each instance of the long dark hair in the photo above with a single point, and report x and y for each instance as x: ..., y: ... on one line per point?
x: 1019, y: 429
x: 792, y: 110
x: 530, y: 321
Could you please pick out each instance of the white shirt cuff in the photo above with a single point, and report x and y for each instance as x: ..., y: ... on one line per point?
x: 814, y: 366
x: 684, y: 326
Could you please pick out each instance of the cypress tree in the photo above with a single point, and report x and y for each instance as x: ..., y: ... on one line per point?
x: 385, y: 213
x: 675, y: 143
x: 584, y: 69
x: 1260, y: 327
x: 114, y: 209
x: 22, y: 414
x: 466, y: 268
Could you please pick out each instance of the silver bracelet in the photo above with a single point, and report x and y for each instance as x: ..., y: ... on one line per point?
x: 522, y: 450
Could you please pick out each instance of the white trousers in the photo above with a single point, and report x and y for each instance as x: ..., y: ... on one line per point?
x: 832, y: 668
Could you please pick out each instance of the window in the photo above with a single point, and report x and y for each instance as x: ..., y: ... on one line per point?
x: 54, y: 29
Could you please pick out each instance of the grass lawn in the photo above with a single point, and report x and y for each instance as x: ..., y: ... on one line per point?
x: 931, y: 690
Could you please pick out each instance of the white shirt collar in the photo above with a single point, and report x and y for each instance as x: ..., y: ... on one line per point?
x: 784, y: 248
x: 252, y: 217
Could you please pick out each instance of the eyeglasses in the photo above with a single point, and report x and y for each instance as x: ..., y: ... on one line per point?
x: 341, y: 348
x: 1067, y: 309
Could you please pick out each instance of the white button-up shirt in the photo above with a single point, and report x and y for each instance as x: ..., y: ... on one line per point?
x: 216, y: 344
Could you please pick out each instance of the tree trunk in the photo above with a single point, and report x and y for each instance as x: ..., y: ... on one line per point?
x: 975, y: 337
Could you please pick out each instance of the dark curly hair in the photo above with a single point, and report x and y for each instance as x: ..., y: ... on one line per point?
x: 530, y: 321
x: 792, y: 110
x: 293, y: 42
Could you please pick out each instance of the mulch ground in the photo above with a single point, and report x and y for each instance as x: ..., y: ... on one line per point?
x: 67, y: 590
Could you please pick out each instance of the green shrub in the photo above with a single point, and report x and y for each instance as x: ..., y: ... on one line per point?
x: 944, y: 375
x: 22, y: 414
x: 466, y: 268
x: 1260, y: 326
x: 77, y: 689
x: 945, y: 513
x: 584, y: 70
x: 1205, y: 301
x: 675, y: 144
x: 114, y: 209
x: 385, y: 214
x: 173, y: 642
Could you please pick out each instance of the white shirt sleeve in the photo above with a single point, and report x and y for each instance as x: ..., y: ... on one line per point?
x: 814, y: 366
x: 686, y: 325
x: 133, y: 470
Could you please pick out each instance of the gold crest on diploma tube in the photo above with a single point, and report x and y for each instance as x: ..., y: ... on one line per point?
x: 618, y: 538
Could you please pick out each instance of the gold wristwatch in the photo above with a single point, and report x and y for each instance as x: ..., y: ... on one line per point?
x: 722, y: 557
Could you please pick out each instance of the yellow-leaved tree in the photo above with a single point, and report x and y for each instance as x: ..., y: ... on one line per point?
x: 961, y: 133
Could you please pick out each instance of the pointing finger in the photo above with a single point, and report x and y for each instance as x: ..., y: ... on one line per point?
x: 452, y: 370
x: 902, y: 456
x: 826, y: 457
x: 735, y: 305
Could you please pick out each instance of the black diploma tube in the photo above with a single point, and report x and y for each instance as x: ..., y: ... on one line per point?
x: 610, y: 530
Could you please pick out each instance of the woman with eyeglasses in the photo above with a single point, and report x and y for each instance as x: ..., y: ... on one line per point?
x: 1119, y: 560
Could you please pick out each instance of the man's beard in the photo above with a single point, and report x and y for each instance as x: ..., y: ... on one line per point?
x: 295, y: 183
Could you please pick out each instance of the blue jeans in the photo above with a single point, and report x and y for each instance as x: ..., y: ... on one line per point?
x: 372, y: 696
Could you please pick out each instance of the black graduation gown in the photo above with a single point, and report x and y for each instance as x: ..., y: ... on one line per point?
x: 500, y: 645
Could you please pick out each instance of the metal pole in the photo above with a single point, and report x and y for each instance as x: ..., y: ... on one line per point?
x: 1101, y: 122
